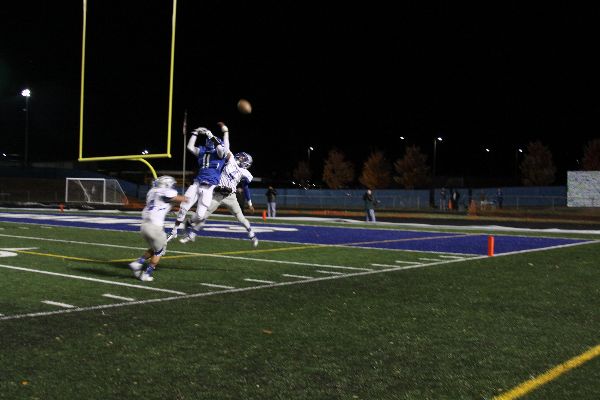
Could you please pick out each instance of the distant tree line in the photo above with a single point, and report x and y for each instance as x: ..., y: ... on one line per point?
x: 412, y: 170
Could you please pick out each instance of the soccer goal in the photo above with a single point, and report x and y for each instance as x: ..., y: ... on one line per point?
x: 94, y: 191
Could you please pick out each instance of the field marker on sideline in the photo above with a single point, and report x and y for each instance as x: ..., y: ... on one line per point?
x: 549, y: 375
x: 85, y: 278
x: 55, y: 303
x: 112, y: 296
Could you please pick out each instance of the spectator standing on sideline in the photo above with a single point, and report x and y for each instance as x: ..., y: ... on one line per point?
x: 455, y: 198
x: 271, y: 203
x: 158, y: 204
x: 443, y: 199
x: 370, y: 201
x: 499, y: 198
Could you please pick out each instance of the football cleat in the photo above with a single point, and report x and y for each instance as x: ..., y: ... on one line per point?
x: 146, y: 277
x: 136, y: 268
x: 189, y: 238
x: 254, y: 241
x: 172, y: 235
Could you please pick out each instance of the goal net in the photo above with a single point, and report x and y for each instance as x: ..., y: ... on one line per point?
x: 94, y: 191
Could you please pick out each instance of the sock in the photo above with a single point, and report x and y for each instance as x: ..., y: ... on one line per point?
x: 141, y: 260
x: 150, y: 269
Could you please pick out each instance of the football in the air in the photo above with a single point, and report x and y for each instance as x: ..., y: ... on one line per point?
x: 244, y: 106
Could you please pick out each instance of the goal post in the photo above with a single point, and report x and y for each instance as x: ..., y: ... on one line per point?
x: 94, y: 191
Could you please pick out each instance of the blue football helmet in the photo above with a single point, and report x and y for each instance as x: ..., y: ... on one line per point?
x: 244, y: 160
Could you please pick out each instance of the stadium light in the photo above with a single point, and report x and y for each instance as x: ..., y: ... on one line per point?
x: 309, y: 150
x: 27, y: 94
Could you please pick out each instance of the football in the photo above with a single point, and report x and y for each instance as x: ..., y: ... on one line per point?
x: 244, y: 106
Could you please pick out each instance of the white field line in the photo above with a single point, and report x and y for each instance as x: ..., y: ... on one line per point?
x: 112, y: 296
x: 85, y: 278
x: 429, y: 259
x: 56, y: 303
x: 330, y: 272
x: 407, y: 262
x: 297, y: 276
x: 261, y: 287
x: 394, y: 266
x: 445, y: 256
x: 192, y: 253
x: 258, y: 280
x: 217, y: 286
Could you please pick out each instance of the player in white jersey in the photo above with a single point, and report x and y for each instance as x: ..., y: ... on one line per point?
x: 158, y: 204
x: 234, y: 173
x: 211, y: 159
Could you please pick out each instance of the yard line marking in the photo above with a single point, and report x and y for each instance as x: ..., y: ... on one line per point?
x: 390, y: 265
x: 253, y: 288
x: 258, y: 280
x: 112, y: 296
x: 408, y: 262
x: 297, y: 276
x: 330, y: 272
x: 85, y: 278
x: 445, y: 256
x: 217, y: 286
x: 429, y: 259
x: 55, y: 303
x: 549, y: 375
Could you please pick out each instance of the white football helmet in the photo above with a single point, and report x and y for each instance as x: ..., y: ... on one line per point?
x: 165, y: 181
x: 243, y: 159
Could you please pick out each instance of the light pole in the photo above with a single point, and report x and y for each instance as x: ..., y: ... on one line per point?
x: 439, y: 138
x: 309, y: 150
x: 517, y: 151
x: 27, y: 94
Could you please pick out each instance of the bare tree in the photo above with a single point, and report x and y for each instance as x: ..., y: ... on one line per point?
x: 537, y: 167
x: 376, y: 172
x: 591, y: 156
x: 337, y: 172
x: 412, y: 169
x: 302, y: 172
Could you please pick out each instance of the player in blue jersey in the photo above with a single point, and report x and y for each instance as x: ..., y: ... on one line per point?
x: 211, y: 159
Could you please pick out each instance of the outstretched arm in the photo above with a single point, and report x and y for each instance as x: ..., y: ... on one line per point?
x: 225, y: 143
x: 191, y: 145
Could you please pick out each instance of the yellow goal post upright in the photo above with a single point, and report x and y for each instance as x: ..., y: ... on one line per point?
x: 136, y: 157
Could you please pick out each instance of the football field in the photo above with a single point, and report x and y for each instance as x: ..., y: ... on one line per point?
x: 320, y: 310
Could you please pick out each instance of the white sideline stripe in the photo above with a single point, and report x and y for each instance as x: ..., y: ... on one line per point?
x: 444, y: 256
x: 258, y: 280
x: 217, y: 286
x: 112, y: 296
x: 85, y: 278
x: 407, y: 262
x: 330, y: 272
x: 190, y: 253
x: 261, y: 287
x: 429, y: 259
x: 297, y: 276
x: 56, y: 303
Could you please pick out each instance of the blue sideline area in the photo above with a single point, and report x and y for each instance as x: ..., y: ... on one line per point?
x: 443, y: 242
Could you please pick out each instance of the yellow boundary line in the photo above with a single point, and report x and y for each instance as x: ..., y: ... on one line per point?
x: 550, y: 375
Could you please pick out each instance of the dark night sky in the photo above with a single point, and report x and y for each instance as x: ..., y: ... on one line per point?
x: 353, y: 77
